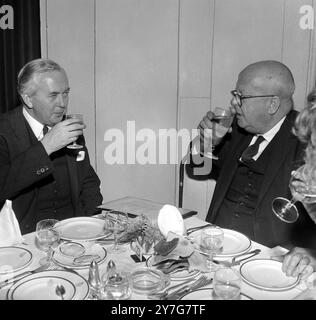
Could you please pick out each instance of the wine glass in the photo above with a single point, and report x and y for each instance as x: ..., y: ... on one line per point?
x: 116, y: 222
x: 227, y: 284
x: 303, y: 188
x: 212, y: 239
x: 222, y: 121
x: 79, y: 117
x: 47, y: 236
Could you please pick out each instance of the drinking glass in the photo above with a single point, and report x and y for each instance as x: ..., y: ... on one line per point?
x: 79, y: 117
x: 212, y: 239
x: 116, y: 222
x: 303, y: 188
x: 47, y: 236
x: 222, y: 121
x: 226, y: 284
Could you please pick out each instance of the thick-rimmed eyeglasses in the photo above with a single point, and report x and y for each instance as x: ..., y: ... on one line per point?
x: 239, y: 97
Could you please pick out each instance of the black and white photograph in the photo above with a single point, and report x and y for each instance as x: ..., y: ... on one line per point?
x: 161, y: 151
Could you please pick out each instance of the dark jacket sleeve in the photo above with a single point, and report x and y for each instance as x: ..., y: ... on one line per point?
x: 23, y: 170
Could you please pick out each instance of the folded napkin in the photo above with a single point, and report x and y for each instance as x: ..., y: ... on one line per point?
x: 10, y: 233
x: 170, y: 220
x: 182, y: 256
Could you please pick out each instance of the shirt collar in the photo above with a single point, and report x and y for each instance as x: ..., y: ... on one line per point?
x: 35, y: 125
x: 269, y: 135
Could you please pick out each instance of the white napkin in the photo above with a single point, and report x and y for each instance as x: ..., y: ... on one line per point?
x: 170, y: 220
x: 10, y: 233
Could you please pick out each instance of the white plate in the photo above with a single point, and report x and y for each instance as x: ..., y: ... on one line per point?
x: 82, y: 229
x: 267, y: 275
x: 42, y: 286
x: 69, y: 261
x: 14, y: 259
x: 206, y: 294
x: 235, y: 243
x: 183, y: 275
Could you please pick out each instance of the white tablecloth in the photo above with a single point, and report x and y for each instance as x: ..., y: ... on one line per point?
x: 124, y: 261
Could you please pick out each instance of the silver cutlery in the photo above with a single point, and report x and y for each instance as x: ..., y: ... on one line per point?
x: 160, y: 294
x: 193, y: 229
x: 60, y: 291
x: 201, y: 282
x: 21, y: 275
x: 236, y: 262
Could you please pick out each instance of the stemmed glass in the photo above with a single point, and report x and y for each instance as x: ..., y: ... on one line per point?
x: 116, y: 222
x: 222, y: 121
x: 212, y: 239
x: 47, y: 237
x: 79, y: 117
x: 303, y: 188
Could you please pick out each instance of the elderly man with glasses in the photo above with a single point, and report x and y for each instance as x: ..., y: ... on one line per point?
x: 255, y: 159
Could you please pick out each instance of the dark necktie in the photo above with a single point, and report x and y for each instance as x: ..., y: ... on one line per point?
x: 45, y: 130
x: 251, y: 151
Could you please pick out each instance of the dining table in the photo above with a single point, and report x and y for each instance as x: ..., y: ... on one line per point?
x: 124, y: 261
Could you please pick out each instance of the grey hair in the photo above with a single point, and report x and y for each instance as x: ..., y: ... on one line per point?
x: 31, y: 69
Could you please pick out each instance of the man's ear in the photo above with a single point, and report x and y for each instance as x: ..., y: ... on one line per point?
x: 274, y: 105
x: 27, y: 100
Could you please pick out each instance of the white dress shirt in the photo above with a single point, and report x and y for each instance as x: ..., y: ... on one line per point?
x: 35, y: 125
x: 268, y: 136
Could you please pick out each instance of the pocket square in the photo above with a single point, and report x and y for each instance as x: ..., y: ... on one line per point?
x: 80, y: 156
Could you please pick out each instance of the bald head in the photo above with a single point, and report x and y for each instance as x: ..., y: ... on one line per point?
x: 269, y: 86
x: 270, y: 77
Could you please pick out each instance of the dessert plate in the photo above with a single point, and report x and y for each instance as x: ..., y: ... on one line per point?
x: 42, y: 286
x: 14, y: 259
x: 92, y: 251
x: 82, y: 229
x: 267, y: 274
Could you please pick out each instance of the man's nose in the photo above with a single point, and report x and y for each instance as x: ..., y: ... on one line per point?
x: 62, y: 101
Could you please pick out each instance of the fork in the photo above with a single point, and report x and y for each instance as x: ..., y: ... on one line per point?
x: 201, y: 282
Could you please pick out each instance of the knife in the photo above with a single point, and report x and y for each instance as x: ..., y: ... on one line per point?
x: 21, y: 275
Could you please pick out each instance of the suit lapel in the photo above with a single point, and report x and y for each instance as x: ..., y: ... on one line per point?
x: 279, y: 147
x: 19, y: 127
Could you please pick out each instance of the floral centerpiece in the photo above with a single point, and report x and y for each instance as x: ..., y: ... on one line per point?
x: 143, y: 230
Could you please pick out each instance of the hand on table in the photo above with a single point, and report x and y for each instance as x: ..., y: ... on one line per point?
x: 299, y: 261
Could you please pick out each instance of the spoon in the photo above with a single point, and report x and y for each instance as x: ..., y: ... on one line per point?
x: 60, y: 291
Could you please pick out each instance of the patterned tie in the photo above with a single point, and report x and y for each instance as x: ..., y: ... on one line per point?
x: 45, y: 130
x: 251, y: 151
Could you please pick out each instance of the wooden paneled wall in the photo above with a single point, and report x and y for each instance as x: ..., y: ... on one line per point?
x: 163, y: 64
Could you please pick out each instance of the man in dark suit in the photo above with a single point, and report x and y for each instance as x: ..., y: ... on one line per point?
x: 248, y: 179
x: 42, y: 177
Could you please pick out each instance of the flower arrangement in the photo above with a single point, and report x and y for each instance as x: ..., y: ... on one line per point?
x: 144, y: 230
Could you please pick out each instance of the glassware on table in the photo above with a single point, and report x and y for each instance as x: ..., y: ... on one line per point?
x: 47, y: 237
x: 116, y: 222
x: 79, y: 117
x: 226, y: 284
x: 116, y: 286
x: 222, y: 121
x: 303, y: 188
x: 211, y: 242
